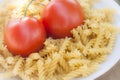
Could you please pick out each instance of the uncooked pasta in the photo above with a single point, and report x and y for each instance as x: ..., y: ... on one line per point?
x: 60, y: 59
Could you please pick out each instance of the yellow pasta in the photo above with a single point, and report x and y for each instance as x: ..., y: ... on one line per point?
x: 41, y: 72
x: 18, y: 68
x: 60, y: 59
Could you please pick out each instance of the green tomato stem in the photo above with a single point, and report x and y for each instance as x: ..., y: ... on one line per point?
x: 27, y: 7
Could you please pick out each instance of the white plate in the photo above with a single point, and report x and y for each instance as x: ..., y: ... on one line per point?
x: 115, y: 55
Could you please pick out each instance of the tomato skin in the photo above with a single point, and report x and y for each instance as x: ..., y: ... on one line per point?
x: 61, y: 16
x: 24, y: 36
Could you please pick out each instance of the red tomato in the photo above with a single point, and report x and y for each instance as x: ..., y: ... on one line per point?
x: 24, y: 36
x: 61, y: 16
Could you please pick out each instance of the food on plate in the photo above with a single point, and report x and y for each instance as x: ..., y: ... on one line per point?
x: 61, y: 58
x: 61, y: 16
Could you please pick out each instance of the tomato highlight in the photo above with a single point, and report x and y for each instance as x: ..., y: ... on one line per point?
x: 24, y: 36
x: 61, y: 16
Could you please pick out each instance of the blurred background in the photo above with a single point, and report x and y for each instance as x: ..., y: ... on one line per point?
x: 118, y: 1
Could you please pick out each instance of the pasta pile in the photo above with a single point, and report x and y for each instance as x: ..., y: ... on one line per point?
x: 60, y: 59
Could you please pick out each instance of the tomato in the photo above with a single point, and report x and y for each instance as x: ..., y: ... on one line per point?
x: 61, y: 16
x: 24, y: 36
